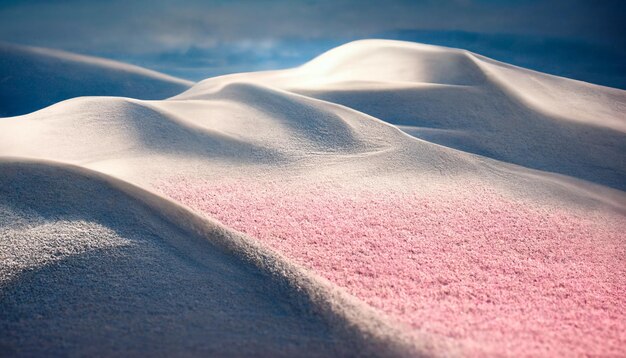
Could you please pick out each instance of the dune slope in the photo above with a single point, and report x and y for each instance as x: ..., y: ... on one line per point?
x: 92, y: 265
x: 33, y: 78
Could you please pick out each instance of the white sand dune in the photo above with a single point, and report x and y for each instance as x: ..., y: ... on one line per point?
x: 32, y: 78
x: 245, y: 147
x: 469, y: 102
x: 93, y: 265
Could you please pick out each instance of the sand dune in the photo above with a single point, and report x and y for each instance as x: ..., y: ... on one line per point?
x: 32, y: 78
x: 466, y: 101
x: 389, y: 198
x: 93, y: 265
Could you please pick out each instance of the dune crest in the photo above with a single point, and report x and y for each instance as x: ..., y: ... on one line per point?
x: 33, y: 78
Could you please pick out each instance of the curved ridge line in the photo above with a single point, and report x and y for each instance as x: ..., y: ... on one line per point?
x: 499, y: 83
x: 97, y: 61
x: 371, y: 329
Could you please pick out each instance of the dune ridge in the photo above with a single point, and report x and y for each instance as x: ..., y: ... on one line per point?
x: 354, y: 326
x: 468, y: 102
x: 32, y: 78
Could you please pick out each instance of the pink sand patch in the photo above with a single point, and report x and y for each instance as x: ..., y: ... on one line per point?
x: 502, y: 276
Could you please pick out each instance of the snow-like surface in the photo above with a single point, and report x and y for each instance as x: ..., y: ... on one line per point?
x: 408, y: 245
x: 471, y: 264
x: 32, y: 78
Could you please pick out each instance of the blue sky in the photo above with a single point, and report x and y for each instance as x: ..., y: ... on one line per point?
x: 197, y: 39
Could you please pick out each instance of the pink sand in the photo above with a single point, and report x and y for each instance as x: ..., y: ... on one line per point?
x: 504, y: 277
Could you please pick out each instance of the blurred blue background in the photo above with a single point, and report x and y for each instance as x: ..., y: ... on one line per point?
x: 197, y: 39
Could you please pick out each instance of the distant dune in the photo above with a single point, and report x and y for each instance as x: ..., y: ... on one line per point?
x: 32, y: 78
x: 385, y: 199
x: 468, y: 102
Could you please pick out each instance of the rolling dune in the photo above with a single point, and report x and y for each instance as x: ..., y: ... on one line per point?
x: 33, y: 78
x: 385, y: 199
